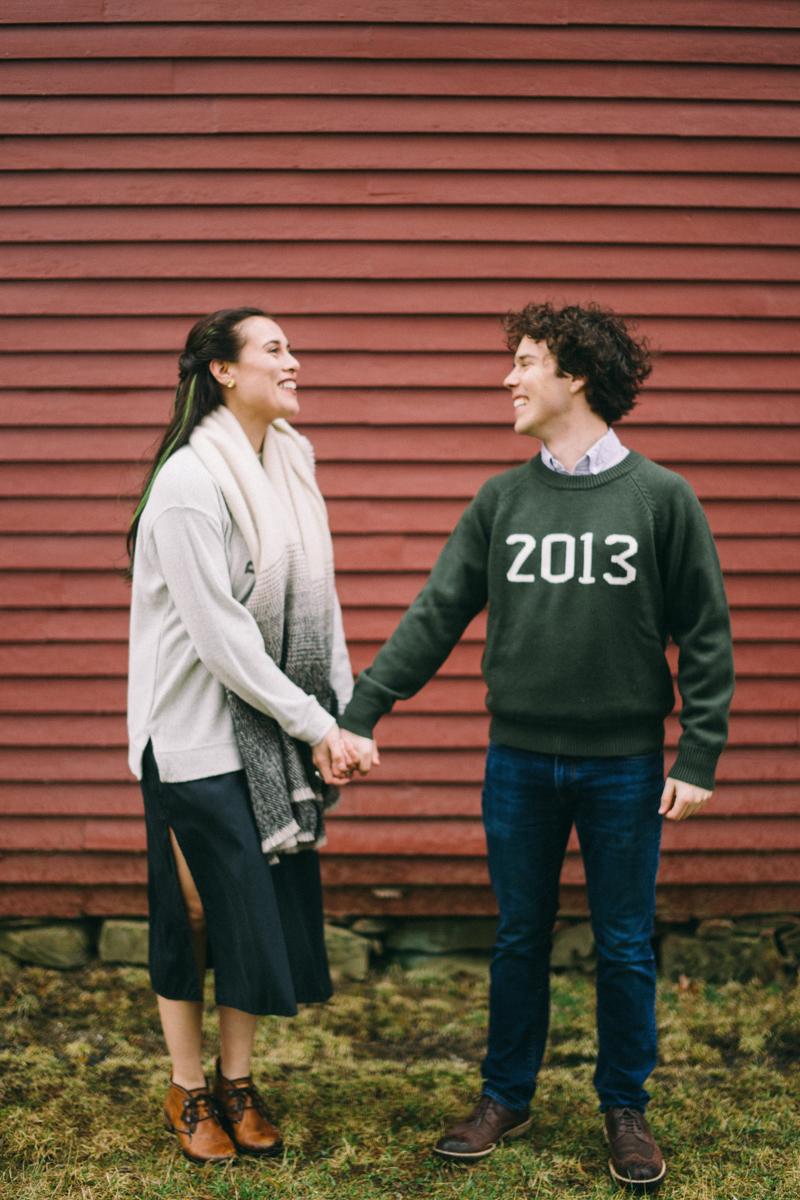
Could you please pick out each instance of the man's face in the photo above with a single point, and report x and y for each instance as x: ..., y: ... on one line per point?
x: 543, y: 400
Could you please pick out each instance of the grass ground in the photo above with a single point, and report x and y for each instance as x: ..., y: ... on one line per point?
x: 363, y: 1086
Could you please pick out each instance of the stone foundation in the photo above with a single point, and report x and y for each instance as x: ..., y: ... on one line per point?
x: 715, y: 951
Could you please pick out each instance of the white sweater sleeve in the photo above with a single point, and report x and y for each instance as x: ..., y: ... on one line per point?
x: 191, y: 554
x: 341, y: 671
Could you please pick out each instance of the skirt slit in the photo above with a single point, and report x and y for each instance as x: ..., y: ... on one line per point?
x: 265, y: 924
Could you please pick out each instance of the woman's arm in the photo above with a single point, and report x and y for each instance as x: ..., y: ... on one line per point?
x: 341, y: 671
x: 191, y: 556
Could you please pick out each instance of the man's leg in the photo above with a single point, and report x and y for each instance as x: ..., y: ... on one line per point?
x: 527, y: 828
x: 619, y: 828
x: 620, y: 834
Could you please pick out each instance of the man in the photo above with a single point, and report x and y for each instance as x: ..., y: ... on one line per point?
x: 590, y: 558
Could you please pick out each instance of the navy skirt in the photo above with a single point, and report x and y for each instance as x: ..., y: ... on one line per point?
x: 265, y: 926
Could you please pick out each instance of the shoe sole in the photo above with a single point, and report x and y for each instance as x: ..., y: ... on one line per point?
x: 200, y: 1162
x: 637, y: 1185
x: 477, y: 1155
x: 270, y: 1152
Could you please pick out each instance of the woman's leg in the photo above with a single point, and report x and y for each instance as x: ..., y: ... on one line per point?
x: 194, y: 909
x: 237, y: 1030
x: 182, y: 1020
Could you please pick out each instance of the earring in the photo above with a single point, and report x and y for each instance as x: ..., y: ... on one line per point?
x: 230, y: 383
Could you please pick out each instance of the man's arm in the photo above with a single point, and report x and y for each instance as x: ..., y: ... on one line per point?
x: 456, y: 592
x: 698, y: 620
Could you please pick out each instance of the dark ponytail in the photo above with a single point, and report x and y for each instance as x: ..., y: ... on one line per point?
x: 217, y: 337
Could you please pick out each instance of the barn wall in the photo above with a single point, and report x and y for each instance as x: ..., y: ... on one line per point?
x: 387, y: 189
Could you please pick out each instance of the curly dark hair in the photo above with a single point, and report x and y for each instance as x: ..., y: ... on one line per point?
x: 590, y: 343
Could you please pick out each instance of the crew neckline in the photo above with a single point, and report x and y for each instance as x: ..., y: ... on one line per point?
x: 579, y: 483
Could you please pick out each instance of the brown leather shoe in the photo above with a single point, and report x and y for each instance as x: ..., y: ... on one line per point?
x: 245, y: 1113
x: 636, y: 1161
x: 479, y: 1133
x: 194, y: 1117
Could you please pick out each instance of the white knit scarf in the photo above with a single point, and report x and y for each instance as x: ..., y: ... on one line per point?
x: 280, y: 511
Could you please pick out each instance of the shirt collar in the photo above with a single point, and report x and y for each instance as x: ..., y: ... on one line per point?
x: 606, y: 452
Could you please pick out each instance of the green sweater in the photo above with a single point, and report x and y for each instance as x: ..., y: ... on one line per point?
x: 586, y: 578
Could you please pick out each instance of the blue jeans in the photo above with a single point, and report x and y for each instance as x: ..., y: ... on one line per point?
x: 529, y: 804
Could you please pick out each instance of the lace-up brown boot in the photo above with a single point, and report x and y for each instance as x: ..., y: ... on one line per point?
x: 480, y: 1132
x: 245, y: 1114
x: 194, y: 1116
x: 636, y: 1162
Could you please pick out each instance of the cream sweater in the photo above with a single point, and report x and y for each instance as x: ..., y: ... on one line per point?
x: 191, y: 636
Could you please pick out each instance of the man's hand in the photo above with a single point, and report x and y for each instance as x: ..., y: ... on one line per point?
x: 680, y: 800
x: 334, y: 759
x: 363, y: 749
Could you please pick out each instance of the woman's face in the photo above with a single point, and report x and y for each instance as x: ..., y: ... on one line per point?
x: 264, y: 378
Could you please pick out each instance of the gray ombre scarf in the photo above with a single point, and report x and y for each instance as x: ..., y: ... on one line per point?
x: 280, y: 511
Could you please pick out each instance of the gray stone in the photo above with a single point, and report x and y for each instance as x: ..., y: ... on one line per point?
x: 720, y: 959
x: 446, y: 966
x: 124, y: 942
x: 787, y: 936
x: 715, y: 930
x: 443, y: 936
x: 573, y: 948
x: 348, y: 954
x: 62, y: 946
x: 371, y: 926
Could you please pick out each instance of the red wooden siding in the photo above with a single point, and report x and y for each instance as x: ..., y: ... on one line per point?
x: 387, y: 189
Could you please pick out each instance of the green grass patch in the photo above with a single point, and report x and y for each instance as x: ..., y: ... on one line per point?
x: 363, y: 1086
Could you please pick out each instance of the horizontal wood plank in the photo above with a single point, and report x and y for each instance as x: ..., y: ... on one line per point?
x: 441, y: 151
x: 580, y: 259
x: 359, y: 517
x: 275, y: 40
x: 737, y: 13
x: 444, y: 333
x: 273, y: 77
x: 158, y: 298
x: 232, y: 188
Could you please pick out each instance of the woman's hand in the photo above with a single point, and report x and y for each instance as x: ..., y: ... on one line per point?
x: 334, y: 759
x: 363, y: 749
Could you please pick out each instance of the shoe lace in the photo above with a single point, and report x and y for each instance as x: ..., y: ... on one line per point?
x: 192, y: 1106
x: 237, y: 1098
x: 629, y: 1121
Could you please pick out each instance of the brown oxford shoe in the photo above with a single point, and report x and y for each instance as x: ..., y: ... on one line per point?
x: 636, y: 1162
x: 194, y: 1116
x: 245, y: 1112
x: 480, y: 1132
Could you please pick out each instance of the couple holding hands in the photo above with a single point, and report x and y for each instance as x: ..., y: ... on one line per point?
x: 243, y: 718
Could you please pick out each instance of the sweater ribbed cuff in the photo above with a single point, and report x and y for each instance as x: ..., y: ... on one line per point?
x: 363, y: 712
x: 695, y: 765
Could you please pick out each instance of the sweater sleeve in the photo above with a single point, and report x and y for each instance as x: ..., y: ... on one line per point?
x: 341, y: 671
x: 699, y: 624
x: 455, y: 593
x: 191, y: 555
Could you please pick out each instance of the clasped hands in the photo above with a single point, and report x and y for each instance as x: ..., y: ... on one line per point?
x: 341, y: 753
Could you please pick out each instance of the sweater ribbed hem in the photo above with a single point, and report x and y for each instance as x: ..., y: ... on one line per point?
x: 695, y: 765
x: 594, y: 741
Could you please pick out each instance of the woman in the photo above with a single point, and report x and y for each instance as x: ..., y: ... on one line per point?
x: 238, y: 666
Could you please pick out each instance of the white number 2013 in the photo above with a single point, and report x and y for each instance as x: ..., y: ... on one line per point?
x: 528, y: 543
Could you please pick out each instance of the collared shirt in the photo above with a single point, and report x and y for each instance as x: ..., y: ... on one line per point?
x: 606, y: 452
